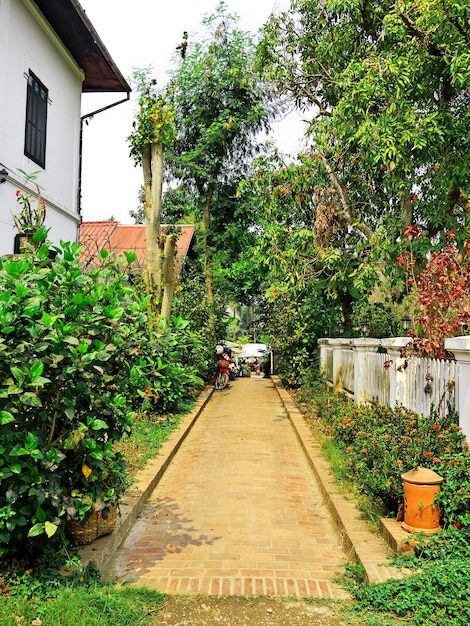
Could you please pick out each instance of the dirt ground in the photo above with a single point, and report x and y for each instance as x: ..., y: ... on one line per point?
x: 246, y: 611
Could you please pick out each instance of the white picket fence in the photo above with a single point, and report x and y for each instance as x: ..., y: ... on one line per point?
x: 373, y: 370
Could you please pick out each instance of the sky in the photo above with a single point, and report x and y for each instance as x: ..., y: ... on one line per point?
x: 139, y: 34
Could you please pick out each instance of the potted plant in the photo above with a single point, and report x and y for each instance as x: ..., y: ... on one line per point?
x: 92, y: 506
x: 31, y: 212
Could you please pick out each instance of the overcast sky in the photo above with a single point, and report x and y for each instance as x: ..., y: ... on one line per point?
x: 138, y: 34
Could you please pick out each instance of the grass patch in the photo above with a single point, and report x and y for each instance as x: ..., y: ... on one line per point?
x: 148, y: 435
x: 99, y: 605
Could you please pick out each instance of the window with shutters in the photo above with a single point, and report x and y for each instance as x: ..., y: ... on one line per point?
x: 36, y: 121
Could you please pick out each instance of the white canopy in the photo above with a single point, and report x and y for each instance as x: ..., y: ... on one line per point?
x: 253, y: 350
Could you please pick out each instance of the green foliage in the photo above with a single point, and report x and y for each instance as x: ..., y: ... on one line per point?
x: 77, y: 357
x: 167, y: 364
x: 379, y: 445
x: 454, y: 499
x: 383, y: 443
x: 78, y: 600
x: 389, y: 84
x: 220, y: 106
x: 438, y: 594
x: 388, y: 94
x: 155, y: 120
x: 381, y: 318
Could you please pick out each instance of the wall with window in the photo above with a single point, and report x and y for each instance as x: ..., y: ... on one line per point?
x: 30, y: 51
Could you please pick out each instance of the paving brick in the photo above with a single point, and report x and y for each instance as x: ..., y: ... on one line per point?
x: 246, y: 506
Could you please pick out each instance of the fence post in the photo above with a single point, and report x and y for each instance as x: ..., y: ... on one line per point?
x: 398, y: 378
x: 339, y: 345
x: 361, y: 346
x: 460, y: 347
x: 323, y: 345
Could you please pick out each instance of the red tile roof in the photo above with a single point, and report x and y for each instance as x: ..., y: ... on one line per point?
x: 118, y: 238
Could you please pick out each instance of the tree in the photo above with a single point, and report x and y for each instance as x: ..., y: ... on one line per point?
x: 389, y: 86
x: 220, y: 108
x: 154, y: 129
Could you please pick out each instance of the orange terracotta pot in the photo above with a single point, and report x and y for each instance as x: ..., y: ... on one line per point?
x: 421, y: 513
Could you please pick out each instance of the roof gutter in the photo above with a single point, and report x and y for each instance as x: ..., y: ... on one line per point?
x: 84, y: 118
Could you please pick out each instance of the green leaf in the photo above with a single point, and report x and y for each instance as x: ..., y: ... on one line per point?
x: 98, y: 424
x: 50, y: 528
x: 36, y: 530
x: 41, y: 514
x: 31, y: 441
x: 30, y: 399
x: 69, y: 412
x: 6, y: 418
x: 130, y: 256
x: 36, y: 369
x: 18, y: 374
x: 73, y: 341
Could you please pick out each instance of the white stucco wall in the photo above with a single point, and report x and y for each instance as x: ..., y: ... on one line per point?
x: 27, y: 43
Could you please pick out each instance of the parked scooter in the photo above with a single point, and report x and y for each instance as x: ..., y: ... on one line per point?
x: 222, y: 370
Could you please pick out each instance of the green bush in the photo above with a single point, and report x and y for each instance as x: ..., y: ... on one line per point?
x: 77, y: 358
x: 437, y: 594
x: 166, y: 365
x: 68, y: 342
x: 383, y: 443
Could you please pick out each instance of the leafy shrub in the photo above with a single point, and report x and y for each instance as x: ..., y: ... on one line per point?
x: 77, y: 355
x: 454, y: 497
x: 167, y: 367
x: 438, y: 594
x: 68, y: 342
x: 383, y: 443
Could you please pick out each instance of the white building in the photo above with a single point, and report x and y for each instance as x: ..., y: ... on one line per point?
x: 49, y: 55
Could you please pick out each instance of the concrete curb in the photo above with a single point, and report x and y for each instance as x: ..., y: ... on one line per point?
x: 360, y: 542
x: 100, y: 552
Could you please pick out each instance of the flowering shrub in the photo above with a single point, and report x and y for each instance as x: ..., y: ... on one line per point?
x: 31, y: 212
x: 439, y: 296
x: 383, y: 443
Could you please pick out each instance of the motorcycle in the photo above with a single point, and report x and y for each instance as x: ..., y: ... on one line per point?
x: 222, y: 374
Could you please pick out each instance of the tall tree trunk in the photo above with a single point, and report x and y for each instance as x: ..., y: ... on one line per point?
x: 152, y: 165
x: 169, y: 276
x: 208, y: 259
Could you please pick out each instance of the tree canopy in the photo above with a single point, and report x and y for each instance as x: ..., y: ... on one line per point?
x: 389, y: 87
x: 220, y: 108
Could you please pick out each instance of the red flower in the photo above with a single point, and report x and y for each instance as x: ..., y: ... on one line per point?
x: 18, y: 193
x: 411, y: 232
x: 400, y: 260
x: 437, y: 427
x: 450, y: 234
x: 456, y: 524
x: 428, y: 454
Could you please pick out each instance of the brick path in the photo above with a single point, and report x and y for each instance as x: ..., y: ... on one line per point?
x: 238, y: 511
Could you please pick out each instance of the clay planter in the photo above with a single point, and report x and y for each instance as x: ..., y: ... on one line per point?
x: 421, y: 513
